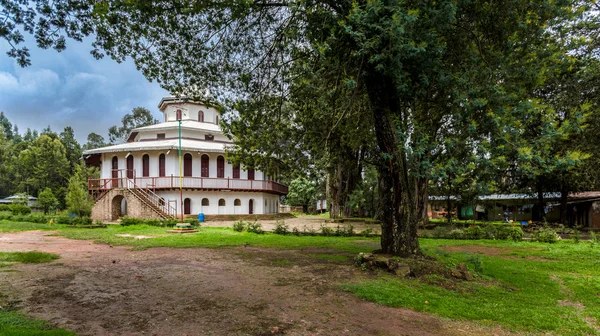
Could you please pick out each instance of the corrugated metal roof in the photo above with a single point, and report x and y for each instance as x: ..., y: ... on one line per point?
x: 185, y: 125
x: 547, y: 196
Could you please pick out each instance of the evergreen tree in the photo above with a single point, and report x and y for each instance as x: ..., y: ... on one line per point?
x: 47, y: 200
x: 73, y: 150
x: 138, y: 117
x: 78, y: 199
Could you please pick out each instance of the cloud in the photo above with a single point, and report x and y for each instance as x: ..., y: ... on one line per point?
x: 72, y: 88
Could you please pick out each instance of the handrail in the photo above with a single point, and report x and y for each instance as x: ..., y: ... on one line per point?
x: 156, y: 200
x: 172, y: 182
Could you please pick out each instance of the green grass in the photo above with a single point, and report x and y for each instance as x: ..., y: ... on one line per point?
x: 8, y: 226
x: 16, y: 324
x: 211, y: 237
x: 33, y: 257
x: 513, y: 290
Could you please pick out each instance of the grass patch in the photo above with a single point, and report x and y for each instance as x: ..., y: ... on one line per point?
x: 33, y: 257
x: 16, y: 324
x: 282, y: 262
x: 8, y: 226
x: 213, y: 237
x: 523, y: 287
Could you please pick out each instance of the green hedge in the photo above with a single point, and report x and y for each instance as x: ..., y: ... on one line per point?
x: 494, y: 231
x: 126, y: 221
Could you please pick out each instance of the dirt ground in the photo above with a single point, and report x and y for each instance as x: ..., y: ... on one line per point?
x: 97, y: 289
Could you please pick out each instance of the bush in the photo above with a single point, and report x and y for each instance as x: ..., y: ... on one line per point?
x: 474, y: 232
x: 62, y: 219
x: 20, y: 209
x: 4, y: 207
x: 344, y: 231
x: 326, y: 231
x: 81, y: 221
x: 281, y: 228
x: 192, y: 221
x: 126, y: 221
x: 255, y: 227
x: 546, y: 235
x: 239, y: 226
x: 515, y: 233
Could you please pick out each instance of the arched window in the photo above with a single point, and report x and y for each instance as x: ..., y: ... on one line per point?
x: 130, y: 166
x: 221, y: 202
x: 187, y: 164
x: 187, y: 206
x: 236, y: 172
x: 237, y: 202
x: 250, y: 174
x: 146, y: 165
x: 205, y: 202
x: 115, y: 167
x: 201, y: 116
x: 161, y: 165
x: 204, y: 166
x: 220, y: 167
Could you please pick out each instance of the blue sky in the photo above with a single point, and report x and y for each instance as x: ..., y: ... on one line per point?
x: 72, y: 88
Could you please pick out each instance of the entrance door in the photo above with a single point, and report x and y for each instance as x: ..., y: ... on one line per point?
x: 130, y: 166
x: 187, y: 206
x: 115, y: 172
x: 251, y: 207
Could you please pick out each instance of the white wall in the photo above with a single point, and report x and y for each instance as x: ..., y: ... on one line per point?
x: 190, y: 112
x: 229, y: 197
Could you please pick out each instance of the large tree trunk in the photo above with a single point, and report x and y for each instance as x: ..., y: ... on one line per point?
x: 401, y: 209
x: 541, y: 203
x: 564, y: 194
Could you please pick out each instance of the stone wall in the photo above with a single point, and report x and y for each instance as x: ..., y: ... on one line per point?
x: 108, y: 207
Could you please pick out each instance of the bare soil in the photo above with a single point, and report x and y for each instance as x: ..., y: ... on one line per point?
x: 97, y: 289
x: 304, y: 223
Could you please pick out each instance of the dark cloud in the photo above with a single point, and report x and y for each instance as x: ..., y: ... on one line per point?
x: 72, y: 88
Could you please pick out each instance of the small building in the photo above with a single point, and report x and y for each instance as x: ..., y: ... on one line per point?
x: 583, y: 209
x: 142, y: 177
x: 30, y: 201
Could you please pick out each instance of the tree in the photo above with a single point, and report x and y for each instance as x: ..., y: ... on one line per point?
x: 301, y: 192
x: 43, y: 165
x: 78, y: 199
x: 47, y: 200
x: 94, y: 140
x: 417, y: 75
x: 6, y: 126
x: 138, y: 117
x: 73, y: 150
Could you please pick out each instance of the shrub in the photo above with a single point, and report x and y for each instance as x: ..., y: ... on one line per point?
x: 515, y: 233
x: 546, y: 235
x: 168, y: 222
x: 296, y: 232
x: 193, y: 221
x: 4, y: 207
x: 344, y: 231
x: 255, y: 227
x: 474, y: 232
x: 81, y: 221
x: 456, y: 234
x: 326, y: 231
x: 239, y: 226
x: 20, y: 209
x: 281, y: 228
x: 62, y: 219
x: 367, y: 232
x: 126, y: 221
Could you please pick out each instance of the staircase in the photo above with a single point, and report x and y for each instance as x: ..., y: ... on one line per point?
x: 158, y: 204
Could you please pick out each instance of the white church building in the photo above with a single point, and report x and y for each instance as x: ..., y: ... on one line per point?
x: 141, y: 177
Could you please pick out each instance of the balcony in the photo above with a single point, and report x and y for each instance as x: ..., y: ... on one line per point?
x: 187, y: 182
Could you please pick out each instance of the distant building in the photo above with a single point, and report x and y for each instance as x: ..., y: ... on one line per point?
x: 31, y: 201
x: 141, y: 178
x: 582, y: 208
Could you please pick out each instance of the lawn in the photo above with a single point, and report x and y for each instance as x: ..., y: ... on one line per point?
x: 522, y: 286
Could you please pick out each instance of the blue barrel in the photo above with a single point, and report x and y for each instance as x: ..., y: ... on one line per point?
x: 201, y: 217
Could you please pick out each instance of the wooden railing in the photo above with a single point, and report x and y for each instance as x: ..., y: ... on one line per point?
x: 172, y: 182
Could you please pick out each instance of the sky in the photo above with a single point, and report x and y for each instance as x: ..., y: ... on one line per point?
x: 72, y: 88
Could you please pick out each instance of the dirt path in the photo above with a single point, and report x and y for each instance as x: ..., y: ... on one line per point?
x: 96, y: 289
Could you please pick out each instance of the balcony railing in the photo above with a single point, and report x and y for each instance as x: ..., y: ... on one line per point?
x: 172, y: 182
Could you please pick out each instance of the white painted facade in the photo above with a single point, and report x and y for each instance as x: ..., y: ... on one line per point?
x: 198, y: 138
